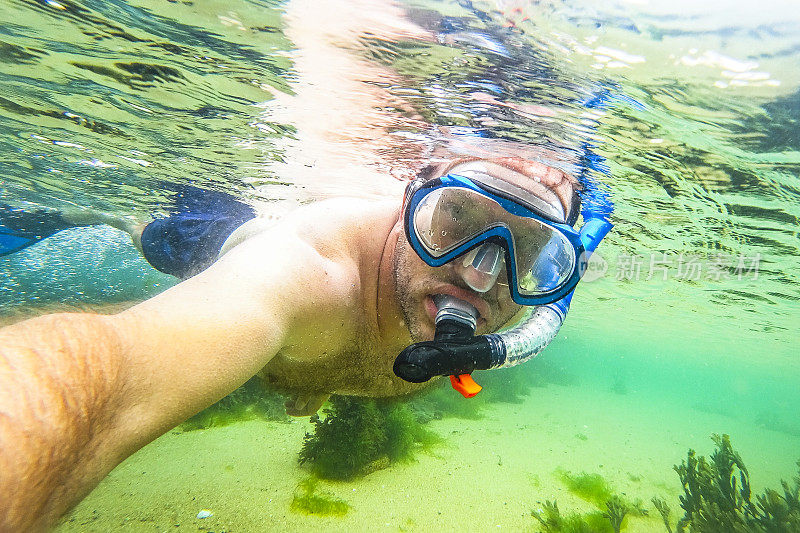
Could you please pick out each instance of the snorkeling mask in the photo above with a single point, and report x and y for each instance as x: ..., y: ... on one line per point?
x: 490, y: 221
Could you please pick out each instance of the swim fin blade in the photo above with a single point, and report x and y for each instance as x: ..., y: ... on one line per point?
x: 20, y: 229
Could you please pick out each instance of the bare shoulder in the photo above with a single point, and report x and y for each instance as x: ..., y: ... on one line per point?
x: 320, y: 246
x: 347, y: 222
x: 310, y: 269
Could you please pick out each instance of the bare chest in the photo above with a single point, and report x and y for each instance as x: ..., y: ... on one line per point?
x: 361, y: 368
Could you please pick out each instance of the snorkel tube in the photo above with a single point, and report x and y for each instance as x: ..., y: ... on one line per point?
x: 454, y: 350
x: 542, y: 323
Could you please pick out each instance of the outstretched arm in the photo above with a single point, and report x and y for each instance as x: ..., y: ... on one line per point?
x: 80, y: 392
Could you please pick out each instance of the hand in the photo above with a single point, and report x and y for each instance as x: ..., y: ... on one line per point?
x: 306, y: 404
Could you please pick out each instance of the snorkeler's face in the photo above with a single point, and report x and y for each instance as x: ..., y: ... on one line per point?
x: 417, y: 283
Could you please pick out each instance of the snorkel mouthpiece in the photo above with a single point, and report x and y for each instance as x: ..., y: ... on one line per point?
x: 451, y: 311
x: 454, y: 350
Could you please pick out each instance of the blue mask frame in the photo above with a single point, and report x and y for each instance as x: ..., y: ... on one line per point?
x: 500, y: 235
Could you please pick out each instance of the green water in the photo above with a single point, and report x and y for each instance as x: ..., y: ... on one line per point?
x: 113, y: 104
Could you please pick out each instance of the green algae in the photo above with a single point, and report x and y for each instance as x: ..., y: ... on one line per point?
x: 552, y: 521
x: 358, y: 436
x: 595, y: 489
x: 610, y: 521
x: 717, y: 496
x: 663, y: 509
x: 616, y: 510
x: 308, y: 500
x: 590, y: 487
x: 612, y: 509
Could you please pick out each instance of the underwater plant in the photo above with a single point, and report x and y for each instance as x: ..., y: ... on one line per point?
x: 595, y: 489
x: 251, y: 401
x: 552, y: 521
x: 717, y: 496
x: 611, y: 513
x: 617, y: 509
x: 309, y: 501
x: 591, y: 487
x: 358, y: 436
x: 661, y: 505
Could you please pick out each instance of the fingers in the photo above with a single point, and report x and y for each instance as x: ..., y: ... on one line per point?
x: 306, y: 404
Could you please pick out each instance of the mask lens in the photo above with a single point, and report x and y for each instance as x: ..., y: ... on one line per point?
x: 546, y: 266
x: 448, y: 217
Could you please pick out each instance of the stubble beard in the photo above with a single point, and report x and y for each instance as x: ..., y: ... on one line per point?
x: 410, y: 305
x: 402, y: 280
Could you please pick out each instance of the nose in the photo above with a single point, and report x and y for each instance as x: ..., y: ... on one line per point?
x: 481, y: 266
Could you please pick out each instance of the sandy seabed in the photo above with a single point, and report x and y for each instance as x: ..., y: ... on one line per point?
x: 487, y: 476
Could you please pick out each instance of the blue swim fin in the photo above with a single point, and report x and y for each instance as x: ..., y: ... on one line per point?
x: 20, y: 229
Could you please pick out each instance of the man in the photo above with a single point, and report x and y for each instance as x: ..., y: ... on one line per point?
x: 320, y: 302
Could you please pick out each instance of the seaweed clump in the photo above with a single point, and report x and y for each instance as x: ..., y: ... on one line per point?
x: 610, y: 516
x: 251, y: 401
x: 307, y: 499
x: 663, y: 509
x: 617, y: 508
x: 717, y: 496
x: 612, y: 509
x: 595, y: 489
x: 359, y: 436
x: 552, y: 521
x: 591, y: 487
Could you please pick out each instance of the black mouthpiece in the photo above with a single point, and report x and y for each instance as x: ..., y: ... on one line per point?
x: 453, y: 351
x: 422, y: 361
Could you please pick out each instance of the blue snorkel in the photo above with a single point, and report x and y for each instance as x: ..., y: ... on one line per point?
x: 542, y: 323
x: 592, y: 233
